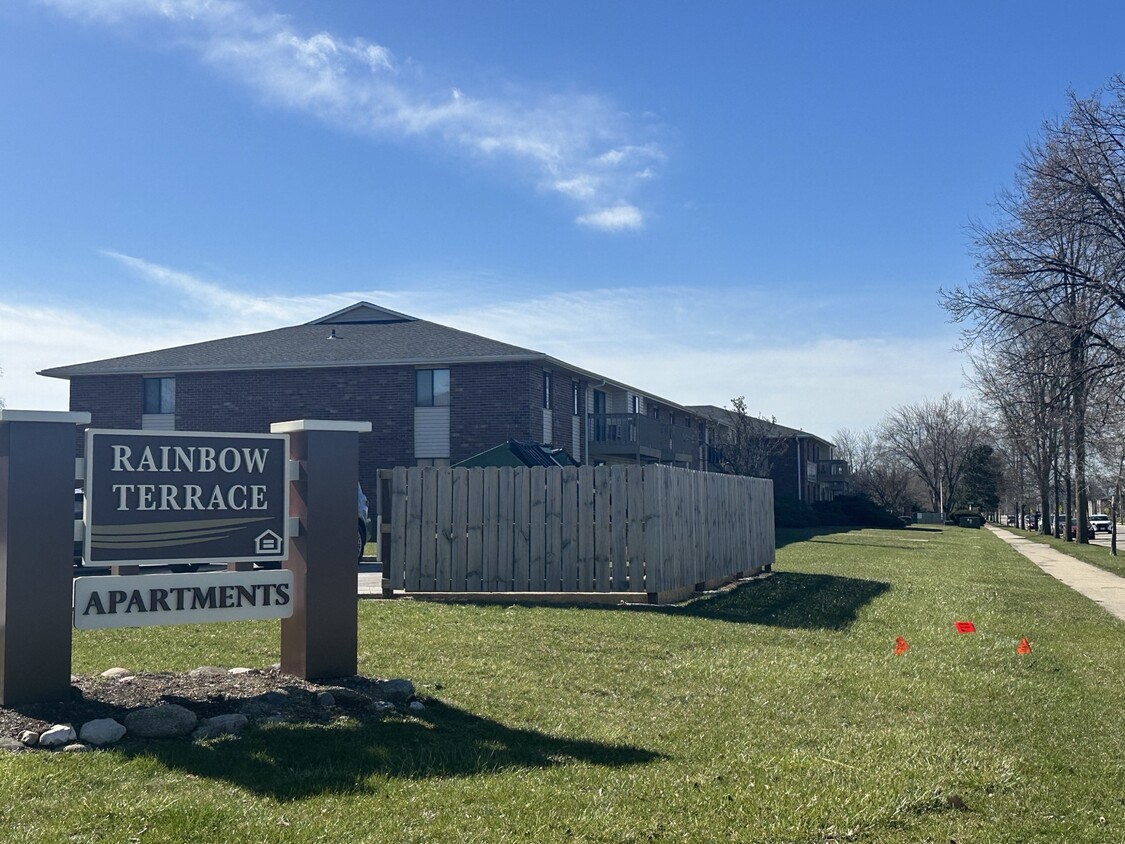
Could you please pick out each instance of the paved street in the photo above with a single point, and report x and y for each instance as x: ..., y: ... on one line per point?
x: 1102, y: 539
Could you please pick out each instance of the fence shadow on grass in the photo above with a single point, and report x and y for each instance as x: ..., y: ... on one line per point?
x: 790, y: 600
x: 297, y: 761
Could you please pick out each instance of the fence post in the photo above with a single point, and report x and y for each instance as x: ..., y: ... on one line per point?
x: 320, y: 639
x: 37, y: 481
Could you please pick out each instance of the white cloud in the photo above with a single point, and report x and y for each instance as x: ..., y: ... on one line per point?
x: 580, y: 147
x: 719, y: 345
x: 618, y: 218
x: 689, y: 345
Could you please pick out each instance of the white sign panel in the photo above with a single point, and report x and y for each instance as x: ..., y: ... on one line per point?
x: 153, y: 599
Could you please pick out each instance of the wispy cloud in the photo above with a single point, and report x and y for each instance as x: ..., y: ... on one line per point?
x: 581, y: 147
x: 721, y: 345
x: 213, y: 299
x: 619, y: 218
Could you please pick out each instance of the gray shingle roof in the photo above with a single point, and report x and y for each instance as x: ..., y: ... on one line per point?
x: 725, y: 416
x: 339, y: 342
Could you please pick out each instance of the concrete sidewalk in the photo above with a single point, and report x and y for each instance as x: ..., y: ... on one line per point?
x: 1098, y: 585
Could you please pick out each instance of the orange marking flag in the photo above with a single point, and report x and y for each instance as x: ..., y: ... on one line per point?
x: 964, y: 627
x: 1024, y: 647
x: 900, y: 646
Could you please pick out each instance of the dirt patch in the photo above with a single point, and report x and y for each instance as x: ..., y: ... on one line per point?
x: 205, y: 691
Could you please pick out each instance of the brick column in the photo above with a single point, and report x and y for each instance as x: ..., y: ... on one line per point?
x: 320, y: 639
x: 37, y: 450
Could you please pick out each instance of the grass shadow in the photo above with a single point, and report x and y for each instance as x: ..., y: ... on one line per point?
x: 897, y: 547
x: 790, y: 600
x: 788, y: 536
x: 297, y: 761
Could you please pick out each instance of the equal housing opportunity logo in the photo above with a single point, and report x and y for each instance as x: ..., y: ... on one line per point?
x: 159, y: 497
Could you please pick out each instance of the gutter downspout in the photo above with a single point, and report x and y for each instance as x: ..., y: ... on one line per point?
x: 800, y: 485
x: 586, y: 428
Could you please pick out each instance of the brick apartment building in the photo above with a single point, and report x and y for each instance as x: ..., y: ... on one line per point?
x: 434, y: 395
x: 802, y: 465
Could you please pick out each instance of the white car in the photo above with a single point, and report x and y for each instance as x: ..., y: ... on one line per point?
x: 1099, y: 522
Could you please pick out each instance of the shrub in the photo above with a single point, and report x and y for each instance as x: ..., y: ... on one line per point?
x: 854, y: 511
x: 844, y: 511
x: 791, y: 513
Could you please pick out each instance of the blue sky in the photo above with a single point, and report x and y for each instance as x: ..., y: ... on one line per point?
x: 704, y: 200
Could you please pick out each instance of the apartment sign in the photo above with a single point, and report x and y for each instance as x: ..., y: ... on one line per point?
x: 154, y: 497
x: 161, y: 599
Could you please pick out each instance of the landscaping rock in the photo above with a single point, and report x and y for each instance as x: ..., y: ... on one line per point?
x: 57, y: 736
x: 256, y: 709
x: 102, y: 731
x: 347, y: 697
x: 76, y: 748
x: 257, y: 693
x: 219, y: 725
x: 237, y: 671
x: 12, y: 746
x: 397, y: 690
x: 208, y: 671
x: 417, y: 706
x: 166, y: 720
x: 28, y: 738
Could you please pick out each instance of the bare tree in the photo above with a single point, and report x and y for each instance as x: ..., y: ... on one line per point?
x: 876, y: 471
x: 1055, y: 265
x: 1108, y: 453
x: 1022, y: 386
x: 748, y: 445
x: 933, y: 438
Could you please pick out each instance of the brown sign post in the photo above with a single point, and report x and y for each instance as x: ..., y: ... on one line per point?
x: 37, y: 480
x: 320, y: 639
x: 37, y: 477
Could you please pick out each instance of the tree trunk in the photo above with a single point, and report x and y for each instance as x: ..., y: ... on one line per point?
x: 1078, y: 403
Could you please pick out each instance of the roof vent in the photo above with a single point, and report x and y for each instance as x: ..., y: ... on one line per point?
x: 332, y: 335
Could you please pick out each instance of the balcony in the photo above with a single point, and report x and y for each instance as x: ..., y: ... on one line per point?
x: 835, y: 473
x: 639, y: 438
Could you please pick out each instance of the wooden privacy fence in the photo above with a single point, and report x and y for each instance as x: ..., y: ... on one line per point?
x: 652, y: 529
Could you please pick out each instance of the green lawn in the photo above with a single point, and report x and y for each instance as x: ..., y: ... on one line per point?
x: 774, y: 713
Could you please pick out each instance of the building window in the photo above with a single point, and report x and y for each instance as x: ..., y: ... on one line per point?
x: 599, y: 402
x: 160, y: 395
x: 577, y: 392
x: 636, y: 404
x: 433, y: 387
x: 546, y: 390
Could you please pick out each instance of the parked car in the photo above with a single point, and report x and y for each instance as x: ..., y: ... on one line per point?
x: 1100, y: 523
x: 1072, y: 531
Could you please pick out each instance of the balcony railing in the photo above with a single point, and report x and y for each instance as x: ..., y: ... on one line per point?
x: 641, y: 437
x: 836, y: 473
